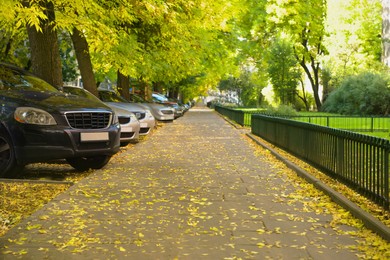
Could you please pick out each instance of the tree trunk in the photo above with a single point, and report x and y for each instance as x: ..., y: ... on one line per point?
x: 123, y: 85
x: 45, y: 54
x: 84, y: 61
x: 304, y: 96
x: 386, y: 32
x: 314, y: 80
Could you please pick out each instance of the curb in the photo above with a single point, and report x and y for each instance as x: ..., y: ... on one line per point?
x: 369, y: 221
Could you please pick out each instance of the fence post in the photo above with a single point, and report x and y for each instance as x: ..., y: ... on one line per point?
x: 386, y: 175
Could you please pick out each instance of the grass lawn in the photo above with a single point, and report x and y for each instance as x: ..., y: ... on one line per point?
x: 373, y: 126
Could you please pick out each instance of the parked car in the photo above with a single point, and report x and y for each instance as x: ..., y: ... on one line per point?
x: 161, y: 99
x: 144, y: 116
x: 160, y: 112
x: 130, y: 126
x: 39, y: 123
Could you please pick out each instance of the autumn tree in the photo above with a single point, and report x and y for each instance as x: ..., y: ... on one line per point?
x: 43, y: 40
x: 12, y: 36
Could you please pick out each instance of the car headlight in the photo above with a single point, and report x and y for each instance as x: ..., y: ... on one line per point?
x: 133, y: 117
x: 35, y: 116
x: 148, y: 114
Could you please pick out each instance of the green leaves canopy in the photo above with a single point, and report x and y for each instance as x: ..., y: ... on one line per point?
x: 152, y: 40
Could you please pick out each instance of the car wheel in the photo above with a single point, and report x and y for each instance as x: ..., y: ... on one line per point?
x: 8, y: 165
x: 86, y: 163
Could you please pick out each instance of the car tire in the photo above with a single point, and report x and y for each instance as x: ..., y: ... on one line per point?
x: 8, y: 165
x: 86, y: 163
x: 124, y: 144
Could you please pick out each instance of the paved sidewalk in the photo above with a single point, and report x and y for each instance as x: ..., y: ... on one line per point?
x: 194, y: 189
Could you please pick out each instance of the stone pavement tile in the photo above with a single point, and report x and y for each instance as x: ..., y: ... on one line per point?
x: 249, y: 251
x: 321, y: 253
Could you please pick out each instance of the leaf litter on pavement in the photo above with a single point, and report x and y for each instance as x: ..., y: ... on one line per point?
x: 148, y: 204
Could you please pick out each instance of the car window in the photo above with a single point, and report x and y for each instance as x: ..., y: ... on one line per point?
x: 80, y: 92
x: 138, y: 99
x: 108, y: 96
x: 159, y: 98
x: 14, y: 80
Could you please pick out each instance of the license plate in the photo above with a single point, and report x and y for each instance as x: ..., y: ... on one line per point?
x: 143, y: 125
x: 94, y: 137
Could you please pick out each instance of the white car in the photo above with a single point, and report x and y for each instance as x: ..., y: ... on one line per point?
x: 144, y: 116
x: 130, y: 126
x: 160, y: 112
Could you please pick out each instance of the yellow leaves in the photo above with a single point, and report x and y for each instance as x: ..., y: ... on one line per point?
x: 191, y: 222
x: 30, y: 227
x: 260, y: 231
x: 21, y: 199
x: 138, y: 242
x: 19, y: 241
x: 260, y: 245
x: 91, y: 194
x: 201, y: 201
x: 44, y: 217
x: 214, y: 229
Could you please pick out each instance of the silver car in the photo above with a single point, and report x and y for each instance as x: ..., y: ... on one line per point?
x: 160, y: 112
x: 144, y: 116
x: 130, y: 126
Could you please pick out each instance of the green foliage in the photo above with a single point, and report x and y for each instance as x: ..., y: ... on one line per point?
x: 68, y: 58
x: 171, y: 41
x: 353, y: 40
x: 363, y: 94
x: 304, y: 22
x: 283, y: 110
x: 248, y: 87
x: 284, y: 71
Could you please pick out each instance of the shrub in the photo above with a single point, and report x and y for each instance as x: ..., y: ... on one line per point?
x: 363, y: 94
x: 282, y: 110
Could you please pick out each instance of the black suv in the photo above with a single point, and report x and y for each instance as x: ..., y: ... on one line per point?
x: 39, y: 123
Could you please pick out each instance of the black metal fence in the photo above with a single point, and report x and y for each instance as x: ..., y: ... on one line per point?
x: 351, y: 123
x: 242, y: 118
x: 360, y: 161
x: 233, y: 114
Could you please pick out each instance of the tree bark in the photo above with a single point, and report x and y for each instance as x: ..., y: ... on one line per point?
x: 45, y: 54
x: 123, y: 85
x: 83, y: 57
x: 314, y: 82
x: 386, y: 32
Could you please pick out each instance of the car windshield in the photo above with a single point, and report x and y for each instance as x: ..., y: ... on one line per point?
x: 108, y: 96
x: 14, y: 80
x: 159, y: 98
x: 80, y: 92
x: 137, y: 99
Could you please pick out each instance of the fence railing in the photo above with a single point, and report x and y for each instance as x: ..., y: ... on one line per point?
x: 233, y: 114
x: 350, y: 123
x: 360, y: 161
x: 242, y: 118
